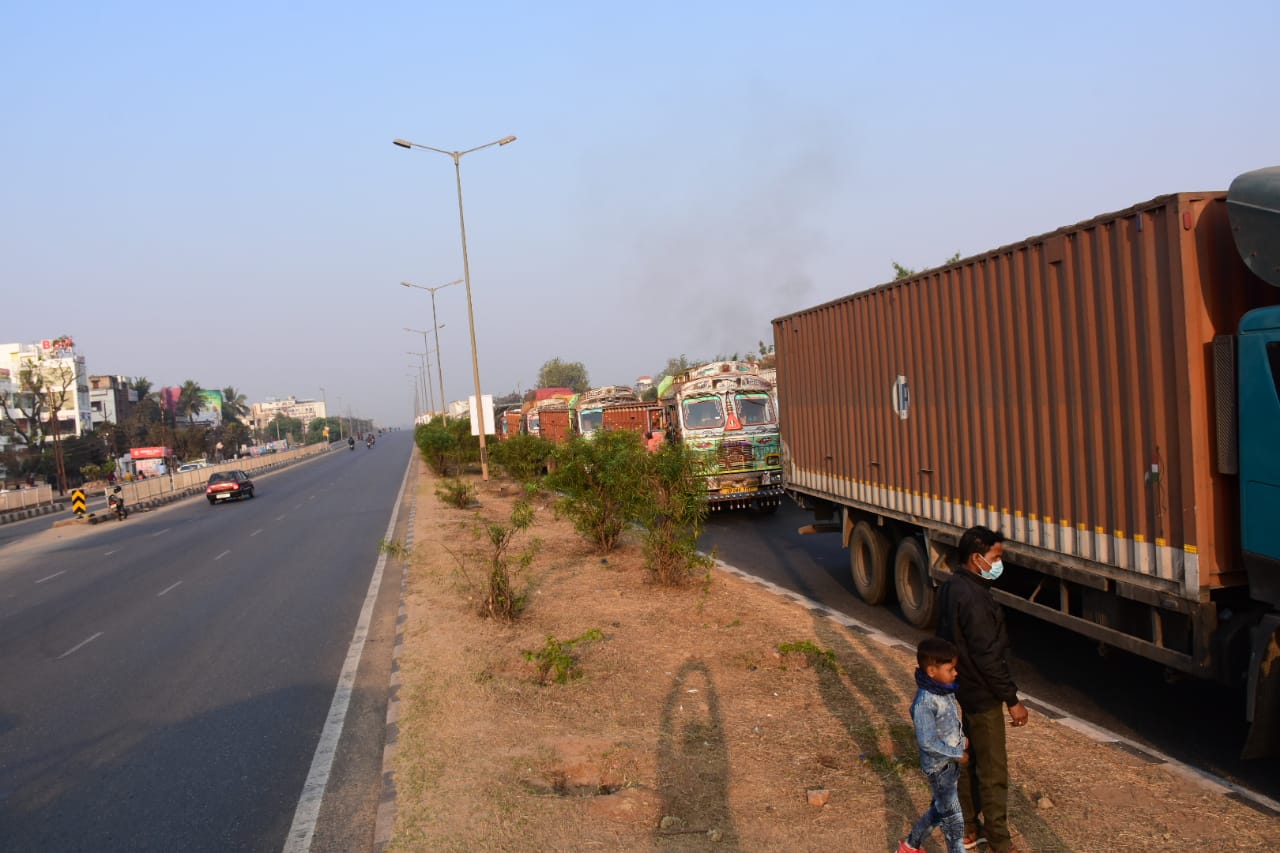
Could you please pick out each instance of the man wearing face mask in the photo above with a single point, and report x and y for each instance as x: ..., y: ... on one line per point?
x: 969, y: 617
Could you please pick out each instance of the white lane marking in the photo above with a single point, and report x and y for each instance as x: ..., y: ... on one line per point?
x: 297, y: 506
x: 220, y: 556
x: 166, y: 589
x: 52, y: 576
x: 279, y: 518
x: 255, y: 533
x: 159, y: 532
x: 79, y: 645
x: 308, y: 810
x: 112, y: 551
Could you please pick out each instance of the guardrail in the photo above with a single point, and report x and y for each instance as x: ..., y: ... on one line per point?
x: 27, y: 496
x: 152, y: 488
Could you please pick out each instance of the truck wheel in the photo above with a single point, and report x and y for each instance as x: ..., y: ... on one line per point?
x: 869, y: 563
x: 916, y: 595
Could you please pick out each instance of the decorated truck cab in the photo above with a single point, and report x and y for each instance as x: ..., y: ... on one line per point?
x: 727, y: 411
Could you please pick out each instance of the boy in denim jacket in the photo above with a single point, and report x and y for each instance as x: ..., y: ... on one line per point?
x: 936, y: 716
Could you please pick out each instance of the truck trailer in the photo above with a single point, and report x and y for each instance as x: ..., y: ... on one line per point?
x: 1107, y: 395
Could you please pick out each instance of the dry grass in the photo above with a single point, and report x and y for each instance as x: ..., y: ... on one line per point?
x: 689, y: 731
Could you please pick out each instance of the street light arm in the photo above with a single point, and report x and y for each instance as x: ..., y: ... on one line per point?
x: 405, y: 143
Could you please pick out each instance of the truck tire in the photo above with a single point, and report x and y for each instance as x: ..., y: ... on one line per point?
x: 916, y: 595
x: 869, y: 563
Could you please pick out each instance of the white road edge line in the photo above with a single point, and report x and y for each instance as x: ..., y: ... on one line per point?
x: 52, y: 576
x: 159, y: 532
x: 1096, y: 733
x: 220, y: 556
x: 79, y: 645
x: 308, y: 811
x: 166, y: 589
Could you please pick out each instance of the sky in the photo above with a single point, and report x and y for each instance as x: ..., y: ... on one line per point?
x: 210, y: 192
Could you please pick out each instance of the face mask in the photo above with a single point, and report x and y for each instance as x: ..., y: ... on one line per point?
x: 993, y: 572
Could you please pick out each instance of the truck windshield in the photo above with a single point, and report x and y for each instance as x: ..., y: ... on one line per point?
x: 589, y: 420
x: 754, y: 407
x: 703, y: 413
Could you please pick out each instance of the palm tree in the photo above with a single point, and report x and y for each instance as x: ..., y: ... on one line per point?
x: 234, y: 405
x: 190, y: 401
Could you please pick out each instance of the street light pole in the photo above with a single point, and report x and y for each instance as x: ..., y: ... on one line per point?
x: 422, y: 373
x: 436, y: 326
x: 457, y: 156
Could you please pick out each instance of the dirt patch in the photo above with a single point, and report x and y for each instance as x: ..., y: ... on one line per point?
x: 688, y: 730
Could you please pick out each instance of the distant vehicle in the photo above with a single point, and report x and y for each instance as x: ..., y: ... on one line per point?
x: 228, y: 485
x: 192, y: 466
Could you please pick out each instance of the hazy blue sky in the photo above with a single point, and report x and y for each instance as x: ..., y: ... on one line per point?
x: 210, y: 191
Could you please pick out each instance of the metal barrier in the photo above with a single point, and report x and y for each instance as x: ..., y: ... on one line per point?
x: 25, y: 497
x: 189, y: 482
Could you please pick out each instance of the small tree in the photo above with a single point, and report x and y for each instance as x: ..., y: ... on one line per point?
x: 501, y: 600
x: 674, y: 513
x: 523, y: 457
x: 601, y: 483
x: 564, y: 374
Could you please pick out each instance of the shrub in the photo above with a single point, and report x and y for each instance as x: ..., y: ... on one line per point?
x: 673, y: 514
x: 447, y: 447
x: 556, y: 660
x: 602, y: 481
x: 813, y: 654
x: 500, y: 599
x: 455, y: 492
x: 523, y: 457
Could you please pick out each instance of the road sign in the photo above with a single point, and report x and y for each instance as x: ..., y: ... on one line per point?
x: 77, y: 502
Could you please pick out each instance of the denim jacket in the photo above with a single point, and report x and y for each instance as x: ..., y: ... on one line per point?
x: 937, y: 721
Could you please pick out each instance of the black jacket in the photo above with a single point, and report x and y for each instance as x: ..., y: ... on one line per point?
x: 969, y: 617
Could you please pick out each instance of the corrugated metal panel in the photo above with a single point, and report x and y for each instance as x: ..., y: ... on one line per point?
x: 1060, y: 388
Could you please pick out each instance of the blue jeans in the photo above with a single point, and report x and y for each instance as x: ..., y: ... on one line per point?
x: 944, y: 811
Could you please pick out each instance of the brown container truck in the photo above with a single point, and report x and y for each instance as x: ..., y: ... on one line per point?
x: 1107, y: 395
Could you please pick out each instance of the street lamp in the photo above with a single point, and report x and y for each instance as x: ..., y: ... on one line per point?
x: 444, y: 400
x: 457, y: 156
x: 423, y: 375
x: 426, y: 349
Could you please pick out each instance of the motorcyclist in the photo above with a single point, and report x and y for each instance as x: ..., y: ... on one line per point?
x: 351, y: 443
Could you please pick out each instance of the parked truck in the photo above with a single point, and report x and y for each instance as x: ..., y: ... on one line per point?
x: 616, y: 407
x: 726, y: 410
x: 1107, y: 395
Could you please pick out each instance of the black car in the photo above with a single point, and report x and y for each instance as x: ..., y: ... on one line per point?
x: 228, y: 485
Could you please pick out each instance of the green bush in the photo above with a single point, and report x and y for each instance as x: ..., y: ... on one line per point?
x: 447, y: 447
x: 673, y: 513
x: 556, y: 660
x: 455, y: 492
x: 602, y: 482
x: 523, y: 457
x: 501, y: 600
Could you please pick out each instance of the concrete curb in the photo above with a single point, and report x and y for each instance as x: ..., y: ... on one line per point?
x: 384, y: 826
x: 1213, y: 784
x: 30, y: 512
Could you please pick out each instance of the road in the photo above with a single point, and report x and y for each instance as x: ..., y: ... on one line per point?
x: 166, y: 678
x: 1197, y: 722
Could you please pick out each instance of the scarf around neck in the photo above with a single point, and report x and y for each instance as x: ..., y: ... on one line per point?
x: 924, y: 682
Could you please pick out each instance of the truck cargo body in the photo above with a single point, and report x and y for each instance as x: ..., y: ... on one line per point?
x: 1066, y: 390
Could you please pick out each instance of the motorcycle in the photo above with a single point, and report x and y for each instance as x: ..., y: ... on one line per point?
x: 115, y: 503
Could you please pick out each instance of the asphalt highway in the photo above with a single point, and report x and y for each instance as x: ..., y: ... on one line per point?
x: 1197, y: 722
x: 164, y: 680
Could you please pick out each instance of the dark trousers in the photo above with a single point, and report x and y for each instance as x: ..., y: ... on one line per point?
x: 984, y: 786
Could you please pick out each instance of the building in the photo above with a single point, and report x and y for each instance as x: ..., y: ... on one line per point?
x: 111, y: 399
x: 261, y: 414
x: 643, y: 383
x: 62, y: 374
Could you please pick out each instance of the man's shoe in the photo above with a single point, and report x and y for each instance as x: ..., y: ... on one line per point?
x: 904, y: 847
x: 972, y: 841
